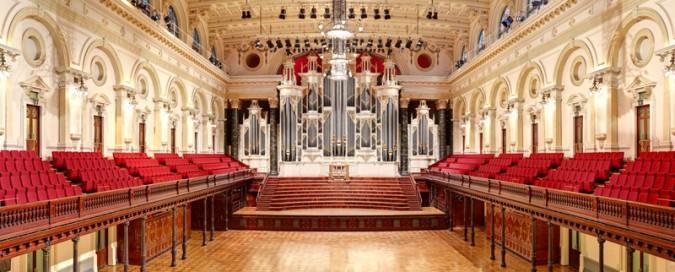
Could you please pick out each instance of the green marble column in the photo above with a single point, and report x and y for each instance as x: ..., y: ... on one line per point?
x: 403, y: 121
x: 274, y: 140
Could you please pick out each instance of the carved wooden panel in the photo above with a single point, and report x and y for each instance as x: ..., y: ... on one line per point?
x: 158, y: 236
x: 519, y: 235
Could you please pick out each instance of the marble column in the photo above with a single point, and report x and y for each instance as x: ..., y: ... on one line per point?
x: 442, y: 108
x: 274, y: 139
x: 403, y: 120
x: 234, y: 127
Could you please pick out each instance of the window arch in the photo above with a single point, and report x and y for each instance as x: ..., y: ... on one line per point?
x: 480, y: 42
x: 196, y: 43
x: 172, y: 22
x: 506, y: 13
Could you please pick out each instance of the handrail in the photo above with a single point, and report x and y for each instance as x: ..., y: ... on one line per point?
x: 414, y: 184
x: 36, y: 216
x: 260, y: 189
x: 656, y: 221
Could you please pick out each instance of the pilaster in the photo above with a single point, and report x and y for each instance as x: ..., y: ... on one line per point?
x: 442, y: 109
x: 403, y: 121
x: 274, y: 139
x: 72, y: 93
x: 234, y: 105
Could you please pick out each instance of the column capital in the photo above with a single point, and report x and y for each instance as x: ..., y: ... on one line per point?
x: 76, y: 239
x: 404, y: 102
x: 441, y: 104
x: 7, y: 54
x: 234, y: 103
x: 274, y: 102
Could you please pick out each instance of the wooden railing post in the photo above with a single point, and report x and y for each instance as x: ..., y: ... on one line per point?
x: 80, y: 205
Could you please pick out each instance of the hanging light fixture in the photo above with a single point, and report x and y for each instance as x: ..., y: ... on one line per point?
x: 387, y: 15
x: 312, y: 13
x: 301, y: 15
x: 352, y: 15
x: 282, y: 14
x: 326, y: 13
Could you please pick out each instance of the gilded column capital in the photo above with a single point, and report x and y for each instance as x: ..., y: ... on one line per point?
x: 441, y: 104
x: 234, y: 103
x: 274, y: 102
x: 404, y: 102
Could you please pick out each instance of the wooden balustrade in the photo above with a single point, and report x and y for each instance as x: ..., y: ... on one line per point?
x: 638, y: 218
x: 41, y: 215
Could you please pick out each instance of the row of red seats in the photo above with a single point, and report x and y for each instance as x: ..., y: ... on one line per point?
x: 657, y: 155
x: 23, y: 165
x: 173, y: 163
x: 28, y: 195
x: 615, y: 158
x: 600, y: 167
x: 18, y: 154
x: 157, y: 174
x: 162, y: 157
x: 222, y: 167
x: 642, y: 166
x: 654, y: 197
x: 569, y: 180
x: 32, y: 180
x: 497, y: 165
x: 59, y: 157
x: 190, y: 171
x: 73, y: 167
x: 519, y: 174
x: 642, y: 181
x: 555, y: 158
x: 541, y: 165
x: 103, y: 180
x: 133, y: 165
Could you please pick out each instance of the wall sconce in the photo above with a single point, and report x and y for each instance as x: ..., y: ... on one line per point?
x: 670, y: 68
x: 545, y: 97
x: 597, y: 80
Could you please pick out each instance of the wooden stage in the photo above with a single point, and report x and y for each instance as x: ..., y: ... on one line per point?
x: 338, y: 219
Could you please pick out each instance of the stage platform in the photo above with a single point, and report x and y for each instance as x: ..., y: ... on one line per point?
x: 331, y: 219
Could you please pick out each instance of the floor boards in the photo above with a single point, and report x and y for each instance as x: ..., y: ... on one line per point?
x: 337, y: 251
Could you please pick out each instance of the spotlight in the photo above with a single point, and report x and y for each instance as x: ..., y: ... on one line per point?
x: 302, y: 13
x: 430, y: 14
x: 398, y: 43
x: 288, y: 43
x: 307, y: 43
x: 282, y: 14
x: 379, y: 43
x: 419, y: 44
x: 387, y: 15
x: 326, y: 13
x: 388, y: 43
x: 435, y: 17
x: 155, y: 16
x: 270, y: 44
x: 520, y: 18
x: 352, y: 15
x: 408, y: 44
x: 363, y: 13
x: 370, y: 43
x: 288, y: 52
x: 297, y: 43
x: 312, y: 13
x: 279, y: 44
x: 258, y: 44
x: 377, y: 14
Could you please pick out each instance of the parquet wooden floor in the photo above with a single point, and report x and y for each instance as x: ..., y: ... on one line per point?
x: 337, y: 251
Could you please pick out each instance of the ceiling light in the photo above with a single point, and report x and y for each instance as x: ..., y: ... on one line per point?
x: 507, y: 22
x: 408, y: 44
x: 282, y: 14
x: 312, y: 13
x: 270, y: 44
x: 387, y: 15
x: 429, y: 14
x: 388, y: 43
x: 301, y: 15
x: 306, y: 42
x: 370, y: 43
x: 435, y: 17
x: 377, y: 14
x: 363, y: 13
x: 288, y: 43
x: 398, y: 43
x: 352, y: 15
x: 258, y: 44
x: 279, y: 44
x: 379, y: 43
x: 326, y: 13
x: 297, y: 43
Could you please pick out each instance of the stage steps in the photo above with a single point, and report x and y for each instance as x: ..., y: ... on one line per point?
x: 280, y: 194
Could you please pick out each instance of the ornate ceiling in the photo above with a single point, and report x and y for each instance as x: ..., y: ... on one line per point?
x: 226, y: 26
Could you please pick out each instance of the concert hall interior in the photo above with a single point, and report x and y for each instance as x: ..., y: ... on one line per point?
x: 337, y: 135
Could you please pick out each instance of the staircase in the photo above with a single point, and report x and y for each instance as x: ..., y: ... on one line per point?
x: 364, y: 193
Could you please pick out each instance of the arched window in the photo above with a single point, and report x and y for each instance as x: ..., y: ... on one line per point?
x: 480, y: 42
x: 504, y: 22
x: 172, y: 22
x: 196, y: 43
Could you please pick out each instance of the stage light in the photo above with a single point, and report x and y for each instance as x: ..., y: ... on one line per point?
x: 377, y: 14
x: 370, y: 43
x: 363, y: 13
x: 430, y: 14
x: 387, y: 15
x: 435, y: 17
x: 388, y: 43
x: 507, y: 22
x: 297, y: 43
x: 312, y: 13
x: 258, y: 44
x: 352, y: 15
x: 301, y: 15
x: 379, y: 43
x: 282, y: 14
x: 408, y: 44
x: 398, y: 43
x: 306, y: 42
x: 279, y: 44
x: 288, y: 43
x: 270, y: 44
x: 326, y: 13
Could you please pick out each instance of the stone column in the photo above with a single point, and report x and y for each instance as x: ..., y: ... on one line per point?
x: 125, y: 249
x: 226, y: 129
x: 442, y: 108
x: 72, y: 94
x: 8, y: 56
x: 274, y: 139
x: 125, y: 102
x: 234, y: 122
x: 76, y: 254
x: 45, y: 257
x: 403, y: 125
